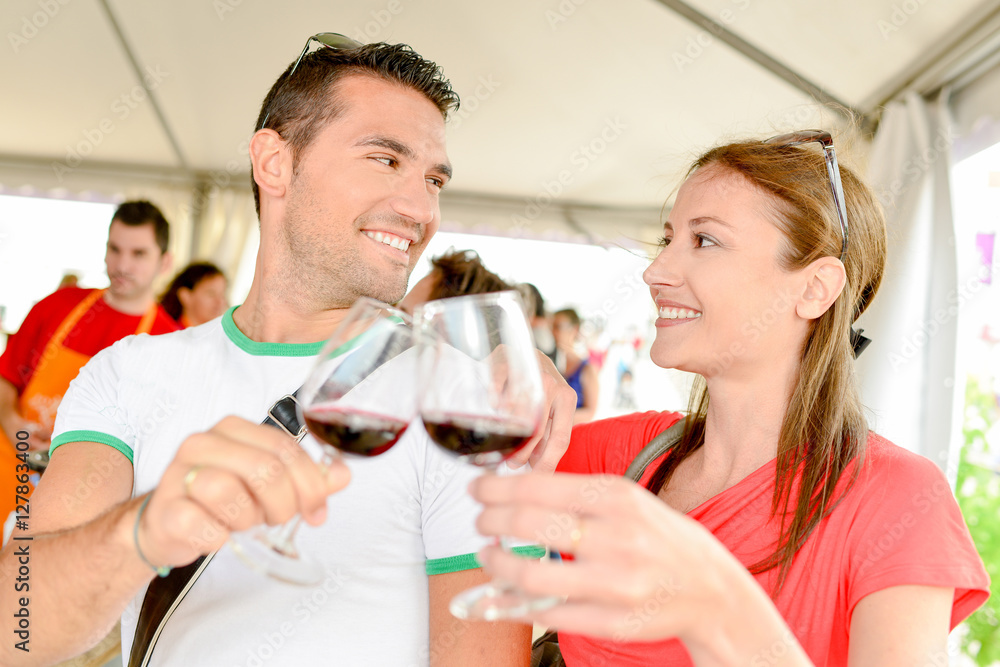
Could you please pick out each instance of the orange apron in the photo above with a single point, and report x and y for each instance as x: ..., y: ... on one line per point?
x: 40, y: 399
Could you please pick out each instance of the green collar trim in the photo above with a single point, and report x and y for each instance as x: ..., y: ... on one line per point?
x: 266, y: 349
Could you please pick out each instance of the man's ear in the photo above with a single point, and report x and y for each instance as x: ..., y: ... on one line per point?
x: 824, y: 281
x: 271, y: 161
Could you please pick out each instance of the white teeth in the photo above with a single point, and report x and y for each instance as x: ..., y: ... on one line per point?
x: 390, y: 240
x: 678, y: 313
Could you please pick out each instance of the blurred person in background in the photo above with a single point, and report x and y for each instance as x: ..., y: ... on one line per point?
x: 580, y: 374
x: 59, y: 336
x: 455, y: 273
x: 65, y: 329
x: 69, y: 280
x: 196, y: 295
x: 541, y: 326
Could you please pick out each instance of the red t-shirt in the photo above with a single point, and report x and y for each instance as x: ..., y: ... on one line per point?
x: 100, y: 327
x: 899, y: 525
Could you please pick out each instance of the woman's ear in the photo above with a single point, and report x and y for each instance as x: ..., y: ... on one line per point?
x: 271, y: 160
x: 824, y: 281
x: 184, y: 296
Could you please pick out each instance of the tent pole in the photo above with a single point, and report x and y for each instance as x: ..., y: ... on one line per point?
x: 157, y: 109
x: 772, y: 65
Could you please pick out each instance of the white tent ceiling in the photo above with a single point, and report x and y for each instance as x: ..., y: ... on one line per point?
x: 642, y: 86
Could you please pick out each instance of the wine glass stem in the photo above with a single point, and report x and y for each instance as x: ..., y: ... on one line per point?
x: 284, y: 536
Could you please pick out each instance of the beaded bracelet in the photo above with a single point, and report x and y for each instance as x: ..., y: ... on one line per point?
x: 161, y: 571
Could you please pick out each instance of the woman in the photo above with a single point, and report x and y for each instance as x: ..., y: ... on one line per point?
x: 455, y: 273
x: 779, y: 530
x: 197, y: 295
x: 579, y: 373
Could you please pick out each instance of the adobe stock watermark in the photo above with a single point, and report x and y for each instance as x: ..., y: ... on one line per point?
x: 901, y: 14
x: 647, y: 610
x: 121, y: 108
x: 224, y: 7
x: 581, y: 159
x: 918, y: 339
x: 31, y: 25
x: 562, y: 12
x: 775, y: 652
x: 564, y: 522
x: 893, y: 533
x: 916, y: 167
x: 752, y: 330
x: 624, y: 288
x: 696, y: 45
x: 310, y: 603
x: 484, y: 89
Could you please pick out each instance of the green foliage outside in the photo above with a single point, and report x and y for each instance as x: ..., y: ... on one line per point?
x: 978, y: 491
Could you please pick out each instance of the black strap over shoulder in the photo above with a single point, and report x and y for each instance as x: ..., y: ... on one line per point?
x: 654, y: 449
x: 164, y: 594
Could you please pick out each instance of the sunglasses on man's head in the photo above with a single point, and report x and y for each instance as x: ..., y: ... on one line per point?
x: 333, y: 40
x: 833, y: 171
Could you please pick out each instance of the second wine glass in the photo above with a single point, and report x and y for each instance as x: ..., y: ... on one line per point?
x: 481, y: 398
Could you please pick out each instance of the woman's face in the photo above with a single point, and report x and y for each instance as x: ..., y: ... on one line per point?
x: 725, y: 306
x: 564, y: 332
x: 206, y: 301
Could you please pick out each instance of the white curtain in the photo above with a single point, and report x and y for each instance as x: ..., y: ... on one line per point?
x: 225, y: 229
x: 908, y: 374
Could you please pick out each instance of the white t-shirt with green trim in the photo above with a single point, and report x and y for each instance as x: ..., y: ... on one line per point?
x: 405, y: 515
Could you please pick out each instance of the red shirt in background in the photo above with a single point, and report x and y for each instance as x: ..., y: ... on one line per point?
x: 899, y: 525
x: 100, y: 327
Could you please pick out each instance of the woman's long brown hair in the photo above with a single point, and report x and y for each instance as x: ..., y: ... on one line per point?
x: 824, y: 428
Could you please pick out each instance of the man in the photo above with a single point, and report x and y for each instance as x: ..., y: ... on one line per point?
x: 347, y: 164
x: 64, y: 330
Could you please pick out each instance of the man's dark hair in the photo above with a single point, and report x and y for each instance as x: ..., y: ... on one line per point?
x: 142, y: 212
x: 298, y: 107
x: 461, y: 272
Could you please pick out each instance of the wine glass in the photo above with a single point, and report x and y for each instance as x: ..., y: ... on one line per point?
x: 481, y: 398
x: 358, y: 399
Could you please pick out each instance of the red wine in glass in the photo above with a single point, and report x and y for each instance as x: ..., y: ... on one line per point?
x: 354, y: 431
x: 487, y: 440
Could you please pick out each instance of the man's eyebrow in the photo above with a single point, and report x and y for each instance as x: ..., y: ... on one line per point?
x: 387, y: 143
x: 402, y: 149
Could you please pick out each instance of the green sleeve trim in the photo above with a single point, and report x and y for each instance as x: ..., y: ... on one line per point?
x: 469, y: 562
x: 92, y: 436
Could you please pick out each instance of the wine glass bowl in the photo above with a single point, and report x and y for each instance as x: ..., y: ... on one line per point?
x: 354, y: 400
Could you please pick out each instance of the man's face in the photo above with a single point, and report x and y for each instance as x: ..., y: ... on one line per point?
x: 133, y: 260
x: 363, y: 201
